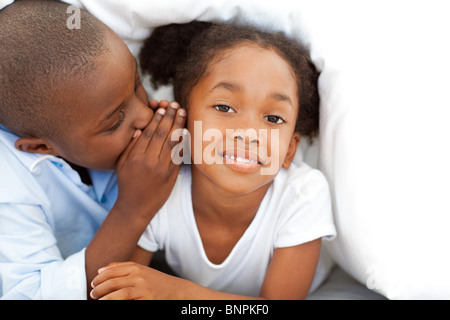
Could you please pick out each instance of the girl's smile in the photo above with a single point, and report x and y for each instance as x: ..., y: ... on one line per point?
x: 241, y: 160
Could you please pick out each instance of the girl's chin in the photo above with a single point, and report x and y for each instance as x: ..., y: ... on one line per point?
x: 236, y: 179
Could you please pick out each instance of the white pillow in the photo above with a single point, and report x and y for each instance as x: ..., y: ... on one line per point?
x: 383, y: 146
x: 384, y: 122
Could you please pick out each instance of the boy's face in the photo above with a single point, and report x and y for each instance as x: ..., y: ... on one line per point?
x: 107, y: 108
x: 247, y: 103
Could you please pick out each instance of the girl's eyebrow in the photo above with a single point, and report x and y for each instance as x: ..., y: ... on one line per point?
x: 281, y: 97
x: 234, y: 87
x: 228, y: 86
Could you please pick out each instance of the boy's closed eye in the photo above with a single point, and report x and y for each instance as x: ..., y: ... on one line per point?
x: 121, y: 114
x: 118, y: 123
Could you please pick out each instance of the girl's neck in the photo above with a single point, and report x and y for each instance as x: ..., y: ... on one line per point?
x: 222, y: 217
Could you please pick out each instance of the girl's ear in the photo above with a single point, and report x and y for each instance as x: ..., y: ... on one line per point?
x: 35, y: 145
x: 293, y: 145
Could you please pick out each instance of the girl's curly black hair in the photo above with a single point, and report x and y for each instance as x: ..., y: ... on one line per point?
x: 180, y: 54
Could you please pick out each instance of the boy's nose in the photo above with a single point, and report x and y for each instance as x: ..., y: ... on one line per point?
x: 145, y: 114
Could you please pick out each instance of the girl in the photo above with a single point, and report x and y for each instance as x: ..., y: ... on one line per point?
x: 229, y: 231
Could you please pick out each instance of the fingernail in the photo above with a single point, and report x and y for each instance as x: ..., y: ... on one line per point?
x: 182, y: 112
x: 101, y: 270
x: 174, y: 105
x: 162, y: 111
x: 136, y: 134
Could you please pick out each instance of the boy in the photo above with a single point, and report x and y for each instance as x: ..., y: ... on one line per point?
x: 72, y: 110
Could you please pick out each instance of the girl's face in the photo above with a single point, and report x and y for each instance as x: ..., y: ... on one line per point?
x: 245, y: 109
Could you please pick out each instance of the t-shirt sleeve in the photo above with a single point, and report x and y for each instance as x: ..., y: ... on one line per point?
x: 151, y: 238
x: 308, y: 216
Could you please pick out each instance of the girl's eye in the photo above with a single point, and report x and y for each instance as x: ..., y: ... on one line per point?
x: 274, y: 119
x: 223, y: 108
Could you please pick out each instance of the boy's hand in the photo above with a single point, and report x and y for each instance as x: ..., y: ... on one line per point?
x: 145, y: 178
x: 145, y: 171
x: 155, y: 104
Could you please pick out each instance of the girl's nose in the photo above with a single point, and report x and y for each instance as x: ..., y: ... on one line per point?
x: 248, y: 136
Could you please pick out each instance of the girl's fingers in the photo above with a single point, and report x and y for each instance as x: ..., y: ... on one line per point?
x: 115, y: 281
x: 110, y: 286
x: 115, y: 264
x: 113, y: 270
x: 121, y: 294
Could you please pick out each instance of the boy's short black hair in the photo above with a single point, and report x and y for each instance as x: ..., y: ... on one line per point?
x: 180, y: 54
x: 38, y: 54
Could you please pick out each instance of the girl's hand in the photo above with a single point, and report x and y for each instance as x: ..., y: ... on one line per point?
x: 145, y: 171
x: 132, y: 281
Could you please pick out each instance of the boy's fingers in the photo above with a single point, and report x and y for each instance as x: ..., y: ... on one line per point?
x: 148, y: 132
x: 155, y: 104
x: 178, y: 129
x: 159, y: 131
x: 164, y: 104
x: 128, y: 149
x: 164, y: 130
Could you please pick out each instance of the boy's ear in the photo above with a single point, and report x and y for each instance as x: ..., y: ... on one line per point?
x: 293, y: 145
x: 35, y: 145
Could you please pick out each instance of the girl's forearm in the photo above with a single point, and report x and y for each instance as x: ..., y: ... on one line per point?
x: 115, y: 240
x: 192, y: 291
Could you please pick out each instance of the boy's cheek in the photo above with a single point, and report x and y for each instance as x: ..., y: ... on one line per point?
x: 142, y: 95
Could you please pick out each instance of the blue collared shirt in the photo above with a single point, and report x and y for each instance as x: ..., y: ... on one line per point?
x: 48, y: 216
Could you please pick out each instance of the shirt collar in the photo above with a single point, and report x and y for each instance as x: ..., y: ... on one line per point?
x: 29, y: 160
x: 101, y: 180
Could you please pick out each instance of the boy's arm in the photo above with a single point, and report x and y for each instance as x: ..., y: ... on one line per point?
x: 146, y: 176
x: 31, y: 264
x: 289, y: 276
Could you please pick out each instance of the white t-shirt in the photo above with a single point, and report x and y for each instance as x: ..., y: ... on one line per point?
x: 296, y: 209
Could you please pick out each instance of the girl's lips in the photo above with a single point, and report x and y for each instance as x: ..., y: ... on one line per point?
x: 242, y: 160
x: 241, y: 156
